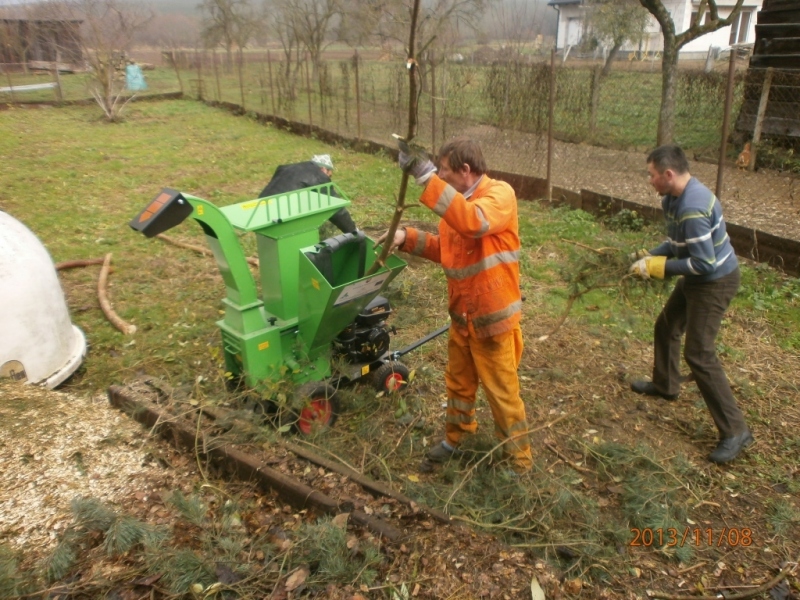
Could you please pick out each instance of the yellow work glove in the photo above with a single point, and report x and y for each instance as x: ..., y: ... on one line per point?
x: 638, y: 254
x: 649, y: 266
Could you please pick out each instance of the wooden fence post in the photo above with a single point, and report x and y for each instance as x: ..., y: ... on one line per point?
x: 308, y: 91
x: 216, y: 75
x: 550, y: 117
x: 726, y: 119
x: 271, y: 87
x: 241, y: 76
x: 762, y: 111
x: 594, y: 100
x: 358, y: 96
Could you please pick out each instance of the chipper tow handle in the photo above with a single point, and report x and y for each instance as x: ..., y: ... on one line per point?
x: 413, y: 346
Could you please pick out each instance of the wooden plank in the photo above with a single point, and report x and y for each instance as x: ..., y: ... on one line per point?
x: 788, y: 15
x: 778, y: 252
x: 770, y: 5
x: 778, y: 61
x: 29, y: 88
x: 771, y: 126
x: 525, y: 186
x: 776, y: 30
x: 778, y: 45
x: 562, y: 196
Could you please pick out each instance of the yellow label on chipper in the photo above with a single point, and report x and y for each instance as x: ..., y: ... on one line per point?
x: 364, y: 370
x: 315, y: 283
x: 263, y: 345
x: 200, y: 209
x: 254, y: 203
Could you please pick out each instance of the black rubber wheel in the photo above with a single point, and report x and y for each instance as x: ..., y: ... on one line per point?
x: 317, y: 407
x: 391, y: 377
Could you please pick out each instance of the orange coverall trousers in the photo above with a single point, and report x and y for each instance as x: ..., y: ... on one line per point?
x: 492, y: 362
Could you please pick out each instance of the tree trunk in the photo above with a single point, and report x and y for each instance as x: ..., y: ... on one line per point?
x: 669, y: 80
x: 612, y: 54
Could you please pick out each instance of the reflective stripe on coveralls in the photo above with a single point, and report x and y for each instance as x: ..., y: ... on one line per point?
x: 493, y: 362
x: 478, y: 247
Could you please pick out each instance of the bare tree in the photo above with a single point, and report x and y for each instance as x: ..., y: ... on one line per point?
x: 311, y: 22
x: 107, y: 33
x: 614, y: 22
x: 673, y: 42
x: 283, y: 26
x: 227, y: 23
x: 440, y: 21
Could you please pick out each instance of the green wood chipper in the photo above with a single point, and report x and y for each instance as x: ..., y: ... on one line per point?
x: 316, y: 306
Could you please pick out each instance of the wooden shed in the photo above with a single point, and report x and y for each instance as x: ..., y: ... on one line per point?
x: 772, y: 82
x: 26, y: 43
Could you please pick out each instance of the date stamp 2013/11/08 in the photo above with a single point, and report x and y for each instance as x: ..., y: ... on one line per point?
x: 696, y: 536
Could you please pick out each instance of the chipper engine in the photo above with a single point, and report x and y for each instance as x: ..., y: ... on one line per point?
x: 317, y: 304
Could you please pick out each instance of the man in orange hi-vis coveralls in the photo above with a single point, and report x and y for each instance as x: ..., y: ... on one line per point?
x: 478, y: 247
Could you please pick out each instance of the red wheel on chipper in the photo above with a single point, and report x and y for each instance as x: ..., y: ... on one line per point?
x: 319, y: 408
x: 391, y: 377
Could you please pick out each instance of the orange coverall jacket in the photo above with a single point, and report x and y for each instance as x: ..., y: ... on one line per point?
x: 478, y: 247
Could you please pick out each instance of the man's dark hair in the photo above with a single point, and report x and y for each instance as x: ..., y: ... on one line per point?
x: 463, y: 151
x: 669, y: 157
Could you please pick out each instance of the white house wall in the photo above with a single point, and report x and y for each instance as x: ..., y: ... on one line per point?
x: 681, y: 11
x: 567, y: 12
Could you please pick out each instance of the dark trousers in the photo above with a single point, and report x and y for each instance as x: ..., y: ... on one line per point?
x: 697, y: 309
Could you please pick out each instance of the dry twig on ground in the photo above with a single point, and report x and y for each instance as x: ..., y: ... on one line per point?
x: 105, y: 304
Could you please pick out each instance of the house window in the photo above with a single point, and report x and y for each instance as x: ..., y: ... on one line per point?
x: 740, y: 27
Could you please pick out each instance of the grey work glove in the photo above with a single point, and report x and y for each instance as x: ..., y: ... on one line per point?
x: 420, y: 168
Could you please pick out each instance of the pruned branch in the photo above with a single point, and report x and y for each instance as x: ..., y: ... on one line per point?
x: 105, y: 304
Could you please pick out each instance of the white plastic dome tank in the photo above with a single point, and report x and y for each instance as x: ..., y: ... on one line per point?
x: 38, y: 341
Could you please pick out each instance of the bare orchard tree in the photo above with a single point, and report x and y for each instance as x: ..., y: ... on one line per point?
x: 106, y: 35
x: 283, y: 27
x: 440, y: 25
x: 614, y: 22
x: 310, y: 23
x: 673, y: 42
x: 227, y: 23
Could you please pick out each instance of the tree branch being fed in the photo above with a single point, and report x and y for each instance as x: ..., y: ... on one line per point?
x: 411, y: 65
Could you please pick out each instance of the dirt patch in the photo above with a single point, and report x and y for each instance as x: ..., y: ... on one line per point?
x: 765, y: 200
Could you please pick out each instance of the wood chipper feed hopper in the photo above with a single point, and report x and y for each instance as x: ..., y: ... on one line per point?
x: 317, y: 303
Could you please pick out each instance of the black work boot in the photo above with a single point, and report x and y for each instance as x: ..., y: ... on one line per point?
x: 648, y: 388
x: 440, y: 453
x: 730, y: 447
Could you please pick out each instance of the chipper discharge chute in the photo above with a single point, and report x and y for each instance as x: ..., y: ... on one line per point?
x: 317, y: 303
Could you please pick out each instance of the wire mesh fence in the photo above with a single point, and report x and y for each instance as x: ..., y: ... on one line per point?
x: 603, y: 122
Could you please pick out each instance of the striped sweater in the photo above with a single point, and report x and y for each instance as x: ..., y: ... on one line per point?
x: 697, y: 245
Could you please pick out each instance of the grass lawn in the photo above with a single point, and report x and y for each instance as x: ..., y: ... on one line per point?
x: 626, y: 462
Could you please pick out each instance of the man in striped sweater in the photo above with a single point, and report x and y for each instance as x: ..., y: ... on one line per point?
x: 698, y: 250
